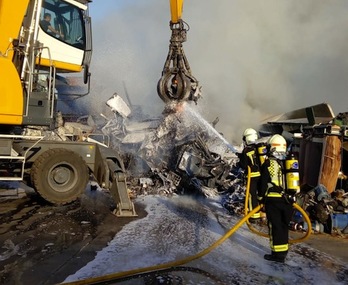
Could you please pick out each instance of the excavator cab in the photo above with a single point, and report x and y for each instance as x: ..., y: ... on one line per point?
x: 69, y: 43
x: 33, y: 52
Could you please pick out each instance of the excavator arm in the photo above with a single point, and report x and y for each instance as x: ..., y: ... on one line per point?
x: 176, y: 8
x: 177, y: 82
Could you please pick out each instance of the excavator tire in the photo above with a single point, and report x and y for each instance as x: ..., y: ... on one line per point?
x: 59, y: 175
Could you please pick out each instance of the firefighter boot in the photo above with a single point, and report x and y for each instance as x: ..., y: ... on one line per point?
x: 277, y: 257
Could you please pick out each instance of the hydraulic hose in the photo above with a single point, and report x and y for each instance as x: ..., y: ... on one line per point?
x: 119, y: 275
x: 294, y: 205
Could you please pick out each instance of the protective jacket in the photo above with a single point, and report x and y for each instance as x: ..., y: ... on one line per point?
x: 272, y: 177
x: 249, y: 158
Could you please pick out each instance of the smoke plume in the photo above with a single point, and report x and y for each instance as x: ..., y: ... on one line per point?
x: 253, y: 58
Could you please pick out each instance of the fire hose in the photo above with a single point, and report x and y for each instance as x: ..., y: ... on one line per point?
x: 294, y: 205
x: 165, y: 266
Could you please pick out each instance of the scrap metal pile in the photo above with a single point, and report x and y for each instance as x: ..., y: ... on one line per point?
x: 179, y: 152
x: 320, y: 140
x: 328, y: 212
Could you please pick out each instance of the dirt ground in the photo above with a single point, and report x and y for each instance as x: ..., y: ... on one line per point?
x: 334, y: 245
x: 43, y: 244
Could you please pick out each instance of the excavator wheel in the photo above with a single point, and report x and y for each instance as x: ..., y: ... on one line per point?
x: 166, y: 91
x: 59, y: 175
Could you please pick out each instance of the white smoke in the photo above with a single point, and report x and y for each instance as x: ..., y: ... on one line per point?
x: 253, y: 58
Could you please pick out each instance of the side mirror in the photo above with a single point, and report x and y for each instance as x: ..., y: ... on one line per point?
x: 86, y: 74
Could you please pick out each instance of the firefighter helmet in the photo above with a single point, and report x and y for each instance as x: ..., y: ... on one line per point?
x: 250, y: 136
x: 277, y: 143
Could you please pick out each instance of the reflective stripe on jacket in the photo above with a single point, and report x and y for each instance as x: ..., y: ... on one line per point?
x: 253, y: 159
x: 276, y: 174
x: 274, y: 194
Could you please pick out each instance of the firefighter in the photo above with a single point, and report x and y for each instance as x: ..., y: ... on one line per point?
x: 278, y: 202
x: 174, y: 85
x: 249, y: 157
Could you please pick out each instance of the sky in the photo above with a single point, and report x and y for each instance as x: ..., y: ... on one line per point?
x: 178, y: 227
x: 253, y: 58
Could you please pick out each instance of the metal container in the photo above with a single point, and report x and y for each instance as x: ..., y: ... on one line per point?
x: 338, y: 221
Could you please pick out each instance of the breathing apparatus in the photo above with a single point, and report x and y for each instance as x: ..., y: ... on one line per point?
x: 290, y: 165
x: 261, y: 152
x: 292, y: 174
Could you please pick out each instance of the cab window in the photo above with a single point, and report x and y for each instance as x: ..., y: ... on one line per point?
x: 63, y: 21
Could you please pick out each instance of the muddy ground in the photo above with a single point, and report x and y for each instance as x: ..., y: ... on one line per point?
x: 43, y: 244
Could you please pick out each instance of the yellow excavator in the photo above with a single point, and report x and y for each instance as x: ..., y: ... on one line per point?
x: 31, y: 56
x: 40, y: 39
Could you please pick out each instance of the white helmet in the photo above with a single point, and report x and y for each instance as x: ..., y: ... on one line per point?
x: 250, y: 136
x: 277, y: 143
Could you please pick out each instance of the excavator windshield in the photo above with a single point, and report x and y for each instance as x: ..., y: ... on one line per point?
x: 63, y: 21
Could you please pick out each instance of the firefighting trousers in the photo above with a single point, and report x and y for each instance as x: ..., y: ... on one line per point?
x: 278, y: 212
x: 253, y: 202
